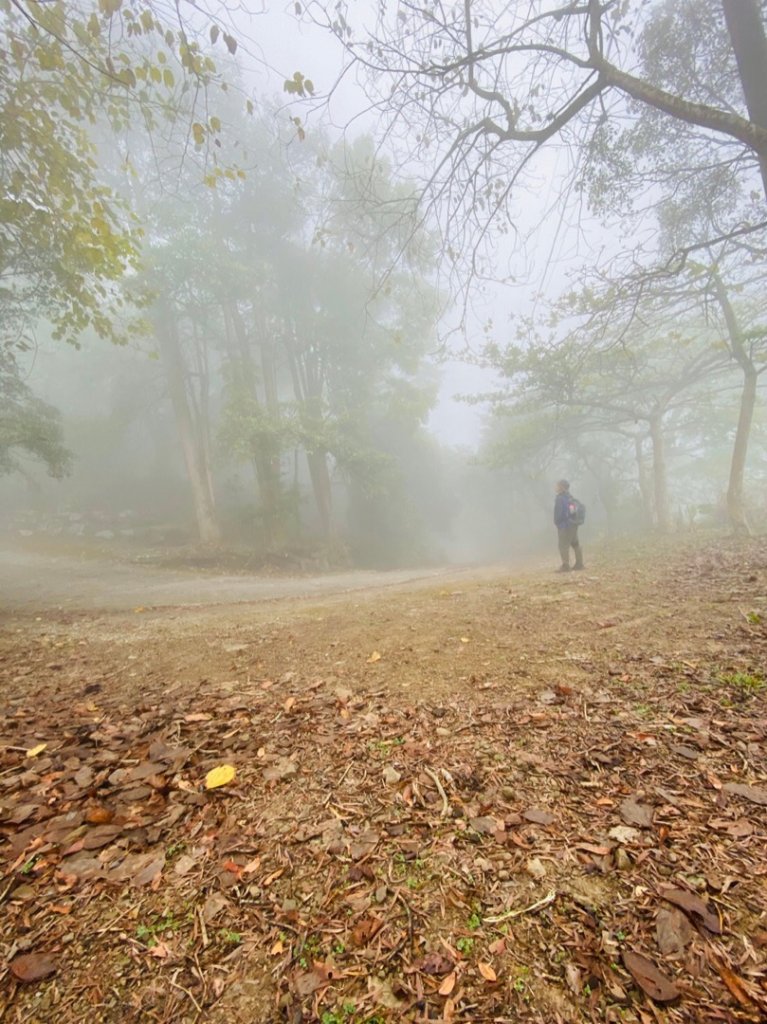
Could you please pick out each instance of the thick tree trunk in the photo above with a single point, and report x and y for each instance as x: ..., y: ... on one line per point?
x: 645, y: 489
x: 306, y: 390
x: 197, y: 468
x: 660, y: 482
x: 321, y: 486
x: 736, y: 509
x: 267, y: 479
x: 744, y: 24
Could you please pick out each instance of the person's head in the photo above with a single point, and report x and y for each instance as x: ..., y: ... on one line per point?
x: 563, y: 486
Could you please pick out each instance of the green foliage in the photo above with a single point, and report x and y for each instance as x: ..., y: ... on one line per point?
x: 68, y: 241
x: 746, y: 683
x: 29, y: 427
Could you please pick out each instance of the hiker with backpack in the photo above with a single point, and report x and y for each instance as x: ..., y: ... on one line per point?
x: 569, y: 514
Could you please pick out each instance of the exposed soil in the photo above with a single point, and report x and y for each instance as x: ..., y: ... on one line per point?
x: 474, y: 799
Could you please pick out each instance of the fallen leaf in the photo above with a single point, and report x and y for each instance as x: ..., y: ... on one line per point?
x: 485, y: 825
x: 374, y: 657
x: 184, y: 865
x: 573, y: 979
x: 434, y: 964
x: 598, y: 851
x: 672, y: 930
x: 487, y: 972
x: 647, y: 976
x: 635, y: 813
x: 99, y: 815
x: 693, y: 906
x: 538, y: 817
x: 448, y: 984
x: 737, y: 988
x: 366, y: 930
x: 289, y: 703
x: 535, y: 868
x: 365, y: 844
x: 220, y: 776
x: 148, y: 874
x: 737, y: 829
x: 755, y: 794
x: 306, y: 983
x: 30, y: 967
x: 624, y: 834
x: 37, y: 750
x: 281, y: 770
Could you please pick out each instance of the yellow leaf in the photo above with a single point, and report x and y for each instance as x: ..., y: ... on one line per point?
x: 465, y: 640
x: 487, y: 972
x: 374, y: 657
x: 220, y: 776
x: 37, y: 750
x: 289, y: 703
x: 448, y: 984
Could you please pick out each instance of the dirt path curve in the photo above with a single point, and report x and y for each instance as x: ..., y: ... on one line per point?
x: 32, y: 582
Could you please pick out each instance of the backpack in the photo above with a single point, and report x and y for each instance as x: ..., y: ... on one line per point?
x: 576, y: 511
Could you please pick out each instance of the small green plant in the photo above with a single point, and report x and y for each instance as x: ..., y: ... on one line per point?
x: 519, y: 985
x: 148, y: 933
x: 230, y: 938
x: 754, y: 618
x: 747, y: 683
x: 28, y: 866
x: 475, y: 921
x: 344, y: 1015
x: 339, y: 948
x: 465, y: 945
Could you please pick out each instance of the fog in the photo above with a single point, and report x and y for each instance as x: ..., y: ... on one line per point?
x: 301, y: 294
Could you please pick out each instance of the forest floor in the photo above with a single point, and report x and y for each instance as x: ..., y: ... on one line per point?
x: 528, y: 798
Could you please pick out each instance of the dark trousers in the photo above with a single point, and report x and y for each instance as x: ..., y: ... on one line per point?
x: 568, y: 538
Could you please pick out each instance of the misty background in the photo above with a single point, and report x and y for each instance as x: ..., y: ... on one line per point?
x: 317, y: 356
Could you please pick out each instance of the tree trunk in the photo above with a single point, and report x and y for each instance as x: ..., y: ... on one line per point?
x: 645, y: 489
x: 306, y: 390
x: 197, y: 468
x: 268, y: 481
x: 320, y: 477
x: 744, y: 24
x: 660, y: 484
x: 736, y: 509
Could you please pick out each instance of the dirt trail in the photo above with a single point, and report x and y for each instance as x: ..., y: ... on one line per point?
x: 32, y: 581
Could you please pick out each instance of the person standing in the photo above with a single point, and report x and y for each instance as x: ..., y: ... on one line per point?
x: 568, y: 515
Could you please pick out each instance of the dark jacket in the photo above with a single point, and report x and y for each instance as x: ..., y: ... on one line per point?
x: 561, y: 514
